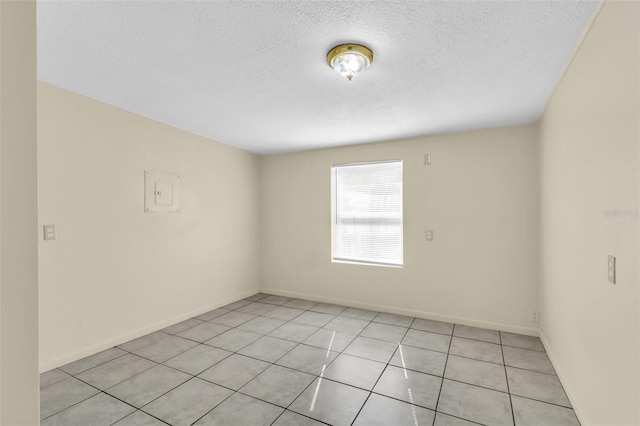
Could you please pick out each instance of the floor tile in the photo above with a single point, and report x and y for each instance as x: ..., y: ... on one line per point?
x: 63, y: 395
x: 99, y: 410
x: 278, y: 385
x: 427, y: 340
x: 309, y: 359
x: 475, y: 404
x: 208, y: 316
x: 540, y: 386
x: 52, y: 377
x: 527, y: 359
x: 256, y: 297
x: 422, y: 360
x: 475, y: 333
x: 521, y: 341
x: 188, y: 402
x: 446, y: 420
x: 393, y: 319
x: 196, y: 360
x: 330, y: 340
x: 382, y: 411
x: 327, y: 308
x: 84, y: 364
x: 113, y: 372
x: 409, y: 386
x: 181, y: 326
x: 233, y: 319
x: 139, y: 418
x: 147, y: 386
x: 315, y: 319
x: 289, y: 418
x: 354, y: 371
x: 268, y: 348
x: 474, y: 372
x: 534, y: 413
x: 203, y: 332
x: 234, y: 339
x: 236, y: 305
x: 257, y: 308
x: 284, y: 313
x: 275, y: 300
x: 261, y: 325
x: 300, y: 304
x: 356, y: 313
x: 476, y: 349
x: 390, y: 333
x: 297, y: 335
x: 161, y: 348
x: 234, y: 372
x: 241, y: 410
x: 375, y: 350
x: 346, y: 325
x: 433, y: 326
x: 294, y: 332
x: 330, y: 402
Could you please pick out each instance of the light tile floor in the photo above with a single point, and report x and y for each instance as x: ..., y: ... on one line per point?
x: 270, y: 360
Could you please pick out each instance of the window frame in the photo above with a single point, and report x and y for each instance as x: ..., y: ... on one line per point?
x: 334, y: 219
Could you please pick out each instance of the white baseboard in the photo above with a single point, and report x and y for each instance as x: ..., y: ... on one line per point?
x: 563, y: 379
x: 66, y: 359
x: 408, y: 312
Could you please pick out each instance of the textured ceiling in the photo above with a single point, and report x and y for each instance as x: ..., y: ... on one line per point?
x: 252, y: 74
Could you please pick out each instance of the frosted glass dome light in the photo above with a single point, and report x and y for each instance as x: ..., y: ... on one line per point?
x: 349, y: 60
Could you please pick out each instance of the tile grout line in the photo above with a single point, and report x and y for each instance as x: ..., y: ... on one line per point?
x: 384, y: 369
x: 94, y: 366
x: 370, y: 392
x: 136, y: 410
x: 444, y: 371
x: 342, y: 352
x: 506, y: 377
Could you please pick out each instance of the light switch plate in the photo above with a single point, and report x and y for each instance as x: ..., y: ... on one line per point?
x: 611, y: 269
x: 427, y: 159
x: 161, y: 192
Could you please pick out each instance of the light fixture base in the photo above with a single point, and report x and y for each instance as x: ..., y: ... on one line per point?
x: 349, y: 59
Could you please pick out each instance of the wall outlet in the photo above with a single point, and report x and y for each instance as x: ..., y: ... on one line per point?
x: 534, y: 316
x: 611, y: 269
x: 49, y: 232
x: 428, y: 235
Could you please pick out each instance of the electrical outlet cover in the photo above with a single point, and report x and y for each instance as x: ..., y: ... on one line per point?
x: 611, y: 269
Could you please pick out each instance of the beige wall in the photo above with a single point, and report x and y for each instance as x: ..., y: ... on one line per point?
x: 115, y: 272
x: 589, y: 164
x: 18, y: 216
x: 480, y: 198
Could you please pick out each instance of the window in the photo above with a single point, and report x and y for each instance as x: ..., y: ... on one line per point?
x: 367, y: 213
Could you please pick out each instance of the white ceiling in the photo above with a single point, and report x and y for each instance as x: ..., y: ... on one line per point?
x: 252, y: 74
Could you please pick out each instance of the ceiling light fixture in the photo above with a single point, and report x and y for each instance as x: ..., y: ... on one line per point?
x: 349, y: 60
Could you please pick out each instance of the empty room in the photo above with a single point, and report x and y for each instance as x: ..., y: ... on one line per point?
x: 319, y: 213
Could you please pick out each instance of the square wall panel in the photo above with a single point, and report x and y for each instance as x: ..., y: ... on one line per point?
x: 161, y: 192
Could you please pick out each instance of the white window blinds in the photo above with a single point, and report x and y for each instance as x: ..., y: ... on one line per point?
x: 367, y: 213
